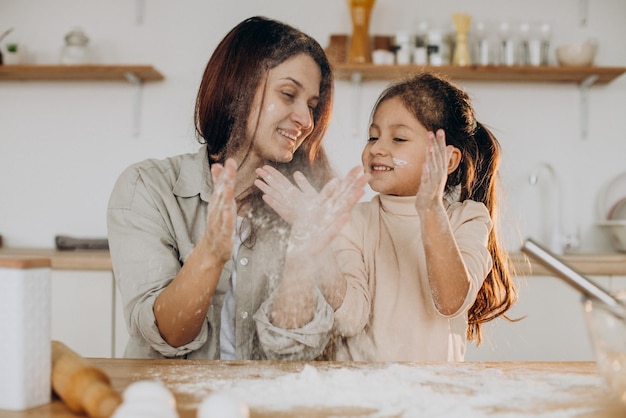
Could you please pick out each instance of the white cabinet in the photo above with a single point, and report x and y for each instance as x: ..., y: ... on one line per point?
x: 617, y: 283
x: 82, y: 311
x: 552, y: 329
x: 87, y: 314
x: 120, y: 332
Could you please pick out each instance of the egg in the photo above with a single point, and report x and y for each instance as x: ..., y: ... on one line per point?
x: 143, y: 410
x: 222, y: 405
x: 152, y: 391
x: 147, y: 399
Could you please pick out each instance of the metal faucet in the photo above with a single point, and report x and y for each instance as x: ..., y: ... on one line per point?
x: 558, y: 240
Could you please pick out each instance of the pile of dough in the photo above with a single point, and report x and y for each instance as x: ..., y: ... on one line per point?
x: 147, y: 399
x: 222, y: 405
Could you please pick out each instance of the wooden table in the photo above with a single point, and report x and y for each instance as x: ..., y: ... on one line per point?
x: 323, y: 389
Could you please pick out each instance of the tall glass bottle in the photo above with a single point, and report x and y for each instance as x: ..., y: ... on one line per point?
x: 360, y: 13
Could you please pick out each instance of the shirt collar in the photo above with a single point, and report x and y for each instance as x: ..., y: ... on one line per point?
x: 402, y: 205
x: 398, y: 205
x: 194, y: 177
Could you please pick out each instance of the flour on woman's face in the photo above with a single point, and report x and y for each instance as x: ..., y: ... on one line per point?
x: 291, y: 91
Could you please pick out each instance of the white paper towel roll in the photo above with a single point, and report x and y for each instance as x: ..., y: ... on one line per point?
x: 25, y: 352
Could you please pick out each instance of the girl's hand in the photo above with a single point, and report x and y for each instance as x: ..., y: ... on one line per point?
x: 222, y: 211
x: 434, y: 172
x: 316, y: 218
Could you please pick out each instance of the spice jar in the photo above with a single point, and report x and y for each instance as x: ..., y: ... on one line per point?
x: 75, y: 51
x: 438, y: 47
x: 404, y: 42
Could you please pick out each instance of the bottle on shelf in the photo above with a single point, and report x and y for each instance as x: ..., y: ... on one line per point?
x: 360, y: 13
x: 75, y: 51
x: 462, y: 22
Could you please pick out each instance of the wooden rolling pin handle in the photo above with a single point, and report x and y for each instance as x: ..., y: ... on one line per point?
x: 82, y: 387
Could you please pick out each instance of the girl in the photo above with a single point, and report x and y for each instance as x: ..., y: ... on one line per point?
x: 426, y: 247
x: 200, y: 260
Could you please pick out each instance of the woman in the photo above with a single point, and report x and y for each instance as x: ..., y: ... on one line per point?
x: 205, y: 267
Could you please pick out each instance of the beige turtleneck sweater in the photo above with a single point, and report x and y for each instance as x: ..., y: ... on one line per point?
x: 388, y: 313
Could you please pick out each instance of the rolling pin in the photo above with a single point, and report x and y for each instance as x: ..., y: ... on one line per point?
x: 84, y: 388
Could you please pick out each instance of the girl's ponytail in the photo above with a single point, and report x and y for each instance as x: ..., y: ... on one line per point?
x: 498, y: 293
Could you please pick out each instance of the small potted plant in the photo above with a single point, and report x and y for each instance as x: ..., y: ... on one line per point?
x: 12, y: 55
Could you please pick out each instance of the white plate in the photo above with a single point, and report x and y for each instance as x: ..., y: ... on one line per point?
x: 612, y: 196
x: 617, y: 231
x: 618, y: 210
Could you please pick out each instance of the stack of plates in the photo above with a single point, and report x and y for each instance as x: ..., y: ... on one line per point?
x: 613, y: 207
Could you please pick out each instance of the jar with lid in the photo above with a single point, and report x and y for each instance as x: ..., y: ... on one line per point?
x: 75, y: 51
x: 420, y: 53
x: 438, y: 47
x: 403, y: 43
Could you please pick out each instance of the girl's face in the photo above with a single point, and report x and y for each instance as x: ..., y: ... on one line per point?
x: 286, y: 118
x: 395, y: 151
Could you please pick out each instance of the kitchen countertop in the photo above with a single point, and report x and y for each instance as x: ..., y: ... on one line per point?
x: 64, y: 260
x: 321, y: 389
x: 605, y: 264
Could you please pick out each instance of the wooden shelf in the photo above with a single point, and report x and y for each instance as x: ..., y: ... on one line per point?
x: 130, y: 73
x: 552, y: 74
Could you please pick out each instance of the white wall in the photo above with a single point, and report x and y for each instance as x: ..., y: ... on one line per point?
x: 62, y: 144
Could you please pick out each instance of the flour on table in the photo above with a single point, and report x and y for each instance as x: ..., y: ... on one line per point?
x: 400, y: 390
x: 222, y: 405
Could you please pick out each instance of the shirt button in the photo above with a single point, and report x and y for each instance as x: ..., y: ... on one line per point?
x: 244, y: 314
x: 243, y: 261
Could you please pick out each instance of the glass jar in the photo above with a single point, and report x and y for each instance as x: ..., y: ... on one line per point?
x: 75, y: 51
x: 438, y: 47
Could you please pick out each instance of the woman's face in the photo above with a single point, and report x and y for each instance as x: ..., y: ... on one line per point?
x: 395, y: 151
x: 286, y: 116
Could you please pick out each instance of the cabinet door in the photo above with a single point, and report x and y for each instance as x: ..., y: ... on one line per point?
x: 552, y: 329
x: 82, y: 311
x: 617, y: 284
x: 121, y: 334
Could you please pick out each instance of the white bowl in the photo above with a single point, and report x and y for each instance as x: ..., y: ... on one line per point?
x: 617, y: 230
x: 581, y: 54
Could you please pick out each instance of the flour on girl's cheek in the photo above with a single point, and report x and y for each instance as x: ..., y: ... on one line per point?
x: 399, y: 163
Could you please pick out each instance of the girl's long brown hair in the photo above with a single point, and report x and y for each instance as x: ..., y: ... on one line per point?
x: 438, y: 104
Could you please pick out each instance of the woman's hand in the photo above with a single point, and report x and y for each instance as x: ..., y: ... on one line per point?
x: 316, y: 218
x: 434, y: 172
x: 222, y: 211
x: 180, y: 309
